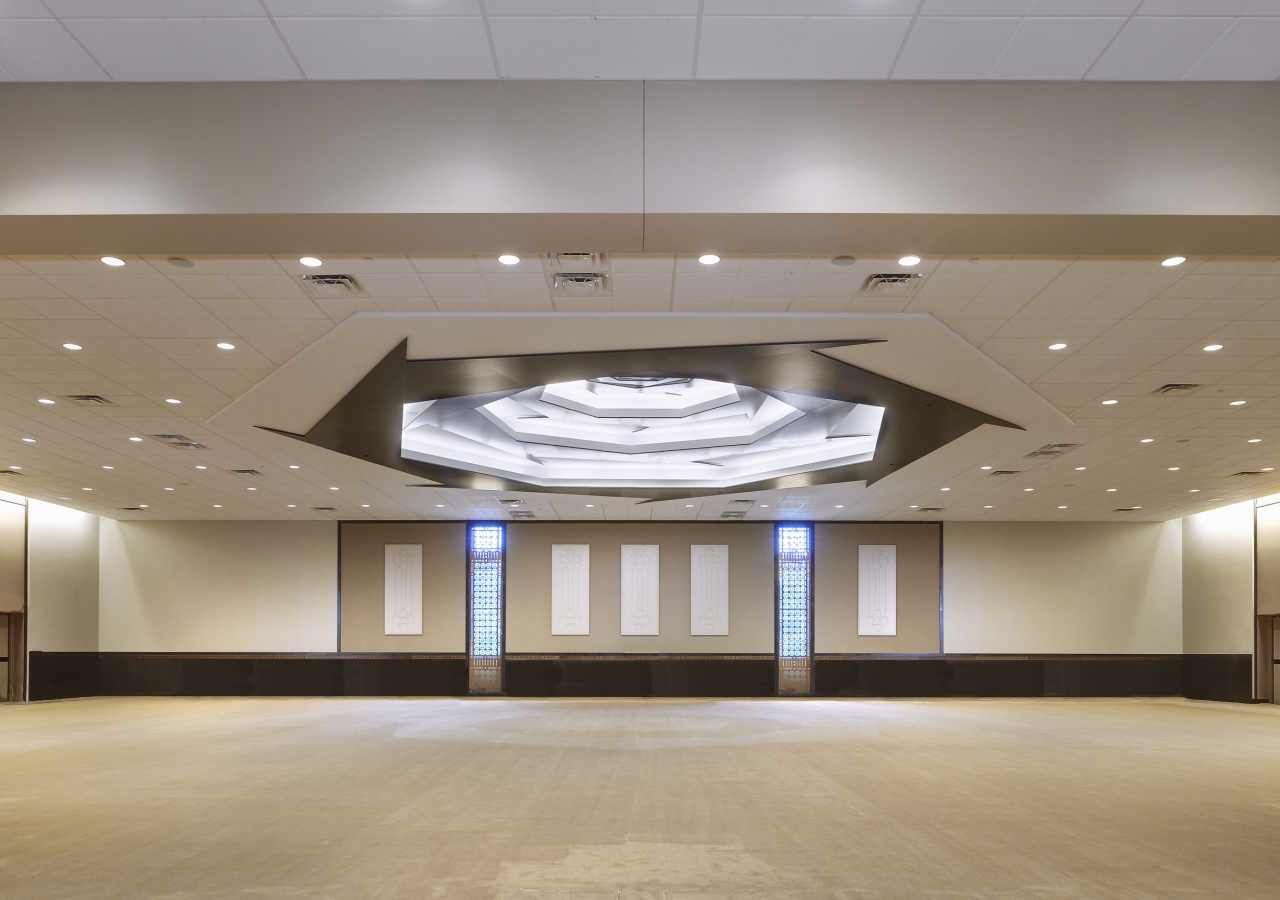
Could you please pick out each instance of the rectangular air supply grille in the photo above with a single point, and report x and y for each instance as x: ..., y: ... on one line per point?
x: 889, y: 284
x: 576, y: 261
x: 89, y: 399
x: 1051, y: 450
x: 181, y: 441
x: 1003, y: 472
x: 338, y: 286
x: 737, y: 509
x: 1177, y: 388
x: 1247, y: 474
x: 523, y: 514
x: 932, y: 509
x: 11, y: 473
x: 580, y: 284
x: 324, y: 508
x: 244, y: 472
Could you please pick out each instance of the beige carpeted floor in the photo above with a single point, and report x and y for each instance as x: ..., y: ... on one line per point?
x: 682, y: 800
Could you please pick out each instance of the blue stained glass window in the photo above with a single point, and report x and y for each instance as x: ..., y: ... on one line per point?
x: 795, y: 554
x: 484, y: 557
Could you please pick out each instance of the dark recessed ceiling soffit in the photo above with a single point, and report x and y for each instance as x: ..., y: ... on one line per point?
x: 658, y: 424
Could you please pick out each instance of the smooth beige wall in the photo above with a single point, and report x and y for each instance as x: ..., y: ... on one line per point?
x: 1268, y: 568
x: 1217, y: 580
x: 835, y: 590
x: 62, y: 560
x: 1062, y: 587
x: 751, y: 625
x: 444, y: 587
x: 219, y: 586
x: 13, y: 556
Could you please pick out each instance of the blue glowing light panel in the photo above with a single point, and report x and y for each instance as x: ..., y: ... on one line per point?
x: 795, y: 558
x: 485, y: 583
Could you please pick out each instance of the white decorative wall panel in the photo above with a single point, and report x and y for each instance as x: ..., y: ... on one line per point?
x: 709, y: 589
x: 877, y: 589
x: 639, y: 588
x: 570, y: 588
x: 403, y: 589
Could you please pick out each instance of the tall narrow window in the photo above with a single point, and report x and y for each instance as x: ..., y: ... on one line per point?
x: 486, y: 588
x: 794, y: 556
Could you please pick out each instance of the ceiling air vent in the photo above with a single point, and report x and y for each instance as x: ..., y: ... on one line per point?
x: 737, y: 509
x: 324, y: 508
x: 131, y: 509
x: 181, y: 441
x: 89, y: 400
x: 932, y: 509
x: 580, y: 284
x: 511, y: 503
x: 522, y: 514
x: 889, y: 284
x: 1051, y: 450
x: 577, y: 261
x: 1004, y: 472
x: 1128, y: 509
x: 11, y: 473
x: 1247, y: 474
x: 1177, y: 388
x: 338, y: 286
x: 244, y: 472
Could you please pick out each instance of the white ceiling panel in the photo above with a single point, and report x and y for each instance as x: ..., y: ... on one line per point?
x: 976, y: 7
x: 954, y: 48
x: 440, y: 47
x: 23, y: 9
x: 42, y: 50
x: 645, y: 48
x: 137, y: 49
x: 333, y: 49
x: 1249, y: 51
x: 545, y: 47
x: 852, y: 47
x: 1094, y: 8
x: 1153, y: 49
x: 235, y: 49
x: 749, y: 47
x: 1195, y: 7
x: 1059, y: 49
x: 153, y: 9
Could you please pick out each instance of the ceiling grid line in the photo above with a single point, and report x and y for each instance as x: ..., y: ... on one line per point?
x: 275, y: 26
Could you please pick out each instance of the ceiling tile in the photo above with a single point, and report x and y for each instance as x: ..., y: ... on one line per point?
x: 1154, y: 49
x: 153, y: 9
x: 1084, y: 7
x: 964, y: 48
x: 1194, y: 7
x: 645, y: 48
x: 854, y: 47
x: 975, y: 7
x: 545, y: 47
x: 749, y: 47
x: 42, y: 50
x: 1044, y: 48
x: 1249, y: 51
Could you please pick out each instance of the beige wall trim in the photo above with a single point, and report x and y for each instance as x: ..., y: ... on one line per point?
x: 531, y: 233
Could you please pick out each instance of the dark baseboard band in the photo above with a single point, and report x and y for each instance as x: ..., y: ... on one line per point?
x: 56, y: 676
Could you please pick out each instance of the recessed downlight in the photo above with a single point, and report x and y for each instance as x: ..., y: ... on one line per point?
x: 1057, y: 346
x: 46, y: 401
x: 311, y: 262
x: 333, y: 488
x: 708, y: 259
x: 764, y: 505
x: 913, y: 506
x: 72, y: 347
x: 142, y: 506
x: 364, y: 505
x: 944, y: 489
x: 28, y: 440
x: 1110, y: 402
x: 226, y: 345
x: 1173, y: 261
x: 86, y: 489
x: 113, y: 261
x: 508, y: 259
x: 217, y: 506
x: 295, y: 467
x: 1061, y: 507
x: 292, y: 505
x: 202, y: 467
x: 1213, y: 348
x: 16, y: 468
x: 839, y: 506
x: 1255, y: 440
x: 1194, y: 491
x: 108, y: 467
x: 1080, y: 468
x: 1174, y: 468
x: 686, y: 506
x: 986, y: 468
x: 909, y: 261
x: 251, y: 489
x: 172, y: 400
x: 1268, y: 468
x: 1111, y: 490
x: 168, y: 489
x: 1146, y: 440
x: 1238, y: 402
x: 1028, y: 490
x: 136, y: 440
x: 988, y: 507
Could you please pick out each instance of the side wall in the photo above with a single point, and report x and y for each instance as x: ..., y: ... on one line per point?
x: 1062, y: 587
x: 1217, y: 603
x: 62, y: 579
x: 259, y: 587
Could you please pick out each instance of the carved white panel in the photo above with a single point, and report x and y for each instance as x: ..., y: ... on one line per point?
x: 639, y: 588
x: 402, y: 589
x: 570, y: 588
x: 709, y: 589
x: 877, y: 589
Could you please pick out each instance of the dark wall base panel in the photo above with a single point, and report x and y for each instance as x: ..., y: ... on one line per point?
x: 640, y: 677
x: 1028, y: 677
x: 56, y: 676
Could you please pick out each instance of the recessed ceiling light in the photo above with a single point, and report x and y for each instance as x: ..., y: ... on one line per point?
x: 708, y: 259
x: 16, y: 468
x: 72, y: 347
x: 333, y: 488
x: 364, y: 505
x: 688, y: 506
x: 86, y: 489
x: 1061, y: 507
x: 1146, y: 440
x: 226, y: 345
x: 909, y: 261
x: 1269, y: 468
x: 1137, y: 507
x: 28, y: 440
x: 64, y: 498
x: 1111, y: 490
x: 944, y: 489
x: 843, y: 261
x: 295, y: 467
x: 1212, y: 347
x: 1057, y: 346
x: 1173, y: 468
x: 108, y: 467
x: 311, y: 262
x: 1028, y: 490
x: 590, y: 505
x: 1254, y: 441
x: 1173, y: 261
x: 1238, y: 402
x: 988, y: 507
x: 217, y: 506
x: 1080, y: 468
x: 172, y: 400
x: 985, y: 468
x: 1212, y: 499
x: 293, y: 506
x: 1194, y: 491
x: 168, y: 489
x: 839, y: 506
x: 202, y: 467
x: 764, y: 505
x: 439, y: 506
x: 46, y: 401
x: 136, y: 439
x: 508, y: 259
x: 913, y: 506
x: 142, y: 506
x: 251, y: 489
x: 1110, y: 402
x: 113, y: 261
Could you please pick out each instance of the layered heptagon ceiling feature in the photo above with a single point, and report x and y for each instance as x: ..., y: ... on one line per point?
x: 657, y: 424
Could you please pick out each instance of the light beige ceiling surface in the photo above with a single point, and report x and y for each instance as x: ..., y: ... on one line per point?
x: 149, y: 331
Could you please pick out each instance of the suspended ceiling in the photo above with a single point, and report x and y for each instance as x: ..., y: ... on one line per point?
x: 282, y: 40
